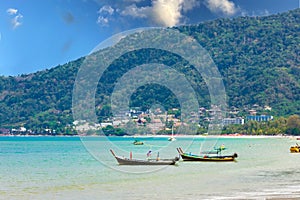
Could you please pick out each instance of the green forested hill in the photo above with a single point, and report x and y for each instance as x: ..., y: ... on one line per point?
x: 257, y: 56
x: 42, y: 99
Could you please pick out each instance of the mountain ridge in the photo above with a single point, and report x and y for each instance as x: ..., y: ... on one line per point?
x: 257, y: 56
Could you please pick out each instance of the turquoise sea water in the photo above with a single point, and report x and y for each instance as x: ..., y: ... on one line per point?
x: 69, y: 168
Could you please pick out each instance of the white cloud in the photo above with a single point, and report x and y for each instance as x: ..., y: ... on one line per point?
x: 136, y: 1
x: 190, y: 4
x: 16, y: 20
x: 167, y: 12
x: 225, y: 6
x: 105, y: 13
x: 170, y: 12
x: 134, y: 11
x: 12, y: 11
x: 106, y: 10
x: 160, y: 12
x: 102, y: 21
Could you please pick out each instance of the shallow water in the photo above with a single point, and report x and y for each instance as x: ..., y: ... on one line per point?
x: 68, y: 168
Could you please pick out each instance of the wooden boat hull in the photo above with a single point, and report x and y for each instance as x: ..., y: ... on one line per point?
x: 206, y: 158
x: 295, y: 149
x: 187, y: 157
x: 128, y: 161
x: 138, y: 143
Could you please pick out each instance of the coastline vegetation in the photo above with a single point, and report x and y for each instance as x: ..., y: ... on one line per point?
x: 281, y: 125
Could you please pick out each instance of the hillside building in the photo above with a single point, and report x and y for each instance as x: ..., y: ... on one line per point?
x: 236, y: 120
x: 259, y: 118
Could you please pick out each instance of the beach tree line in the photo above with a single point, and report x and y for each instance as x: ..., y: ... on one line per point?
x: 280, y: 125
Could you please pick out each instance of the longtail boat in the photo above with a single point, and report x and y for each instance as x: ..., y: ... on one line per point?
x: 137, y: 142
x: 131, y: 161
x: 207, y: 156
x: 295, y: 149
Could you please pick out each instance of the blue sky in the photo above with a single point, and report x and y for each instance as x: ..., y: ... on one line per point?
x: 41, y: 34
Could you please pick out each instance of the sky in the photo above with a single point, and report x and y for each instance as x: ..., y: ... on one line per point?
x: 41, y: 34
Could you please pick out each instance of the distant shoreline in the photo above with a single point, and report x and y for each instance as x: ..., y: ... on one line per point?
x: 163, y: 136
x: 213, y: 136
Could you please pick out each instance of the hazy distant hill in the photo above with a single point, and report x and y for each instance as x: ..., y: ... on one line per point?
x: 257, y: 56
